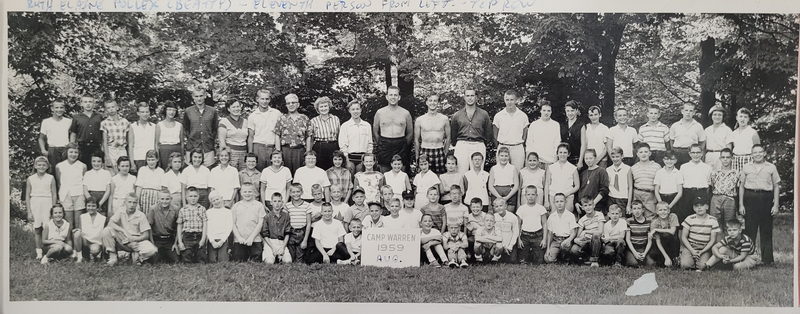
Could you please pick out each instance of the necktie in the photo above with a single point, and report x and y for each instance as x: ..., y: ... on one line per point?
x: 616, y: 180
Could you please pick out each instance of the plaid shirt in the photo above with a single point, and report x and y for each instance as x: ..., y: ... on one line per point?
x: 324, y: 129
x: 293, y: 132
x: 251, y: 177
x: 116, y: 131
x: 192, y: 217
x: 200, y: 128
x: 725, y: 182
x: 342, y: 177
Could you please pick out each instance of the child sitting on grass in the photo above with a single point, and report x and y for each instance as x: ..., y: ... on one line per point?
x: 431, y: 240
x: 328, y: 237
x: 698, y: 236
x: 412, y: 216
x: 488, y: 241
x: 562, y: 229
x: 434, y: 209
x: 92, y: 223
x: 735, y: 250
x: 590, y: 230
x: 352, y: 241
x: 637, y: 237
x: 374, y: 220
x: 614, y: 236
x: 56, y: 241
x: 455, y: 242
x: 662, y: 231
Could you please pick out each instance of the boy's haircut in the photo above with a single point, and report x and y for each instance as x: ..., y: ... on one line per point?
x: 392, y: 88
x: 476, y: 200
x: 407, y: 195
x: 532, y: 187
x: 733, y: 223
x: 643, y: 145
x: 327, y: 204
x: 90, y: 199
x: 276, y: 152
x: 689, y: 104
x: 122, y: 159
x: 451, y: 156
x: 191, y: 189
x: 586, y: 199
x: 336, y: 186
x: 758, y: 145
x: 422, y: 157
x: 395, y: 200
x: 277, y: 194
x: 670, y: 154
x: 251, y: 155
x: 511, y: 92
x: 475, y: 154
x: 433, y: 188
x: 560, y: 194
x: 544, y: 102
x: 591, y: 151
x: 151, y: 153
x: 337, y: 153
x: 57, y: 101
x: 726, y: 150
x: 214, y: 195
x: 357, y: 191
x: 99, y: 154
x: 534, y: 154
x: 654, y: 107
x: 455, y: 187
x: 132, y: 195
x: 56, y: 205
x: 142, y: 104
x: 316, y: 187
x: 662, y: 203
x: 370, y: 204
x: 695, y: 146
x: 503, y: 149
x: 296, y: 186
x: 574, y: 104
x: 431, y: 217
x: 355, y: 220
x: 594, y: 109
x: 248, y: 184
x: 385, y: 187
x: 699, y: 201
x: 636, y: 202
x: 616, y: 150
x: 614, y: 207
x: 353, y: 103
x: 454, y: 225
x: 397, y: 158
x: 310, y: 153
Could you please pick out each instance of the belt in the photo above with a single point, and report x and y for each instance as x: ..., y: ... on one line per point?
x: 293, y: 147
x: 696, y: 189
x: 534, y: 232
x: 713, y: 150
x: 470, y: 140
x: 645, y: 190
x: 511, y: 144
x: 192, y: 233
x: 742, y: 155
x: 680, y: 148
x: 326, y: 142
x: 237, y: 147
x: 165, y: 236
x: 757, y: 191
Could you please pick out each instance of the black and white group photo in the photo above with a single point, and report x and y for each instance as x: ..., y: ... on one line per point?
x: 478, y: 157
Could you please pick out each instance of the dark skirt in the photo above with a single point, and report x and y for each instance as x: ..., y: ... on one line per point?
x: 324, y: 152
x: 163, y: 154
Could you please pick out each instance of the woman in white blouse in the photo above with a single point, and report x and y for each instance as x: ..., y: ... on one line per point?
x: 169, y: 135
x: 232, y: 134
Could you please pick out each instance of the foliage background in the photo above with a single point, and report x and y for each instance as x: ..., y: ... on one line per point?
x: 631, y: 60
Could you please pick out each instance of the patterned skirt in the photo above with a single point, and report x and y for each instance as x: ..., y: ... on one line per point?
x: 148, y: 200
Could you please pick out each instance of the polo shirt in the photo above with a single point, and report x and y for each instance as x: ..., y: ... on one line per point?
x: 247, y: 215
x: 743, y: 139
x: 87, y: 128
x: 654, y: 135
x: 56, y: 131
x: 510, y: 125
x: 263, y: 125
x: 668, y: 180
x: 196, y: 177
x: 200, y: 128
x: 97, y: 180
x: 477, y: 128
x: 220, y: 223
x: 623, y: 138
x: 717, y: 137
x: 134, y: 224
x: 760, y: 176
x: 620, y: 175
x: 561, y: 224
x: 324, y: 129
x: 644, y: 174
x: 700, y: 229
x: 531, y: 216
x: 226, y: 181
x: 355, y: 137
x: 742, y: 244
x: 543, y: 138
x: 561, y: 177
x: 192, y: 217
x: 163, y: 222
x: 696, y: 175
x: 685, y: 134
x: 615, y: 230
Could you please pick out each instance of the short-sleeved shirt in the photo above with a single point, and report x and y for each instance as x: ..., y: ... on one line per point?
x: 370, y: 183
x: 144, y: 137
x: 200, y: 128
x: 247, y: 215
x: 362, y: 212
x: 477, y: 186
x: 510, y: 126
x: 116, y: 131
x: 596, y: 137
x: 355, y: 137
x: 644, y: 175
x: 71, y: 180
x: 298, y: 214
x: 134, y: 224
x: 448, y: 181
x: 760, y: 176
x: 123, y: 185
x: 413, y: 217
x: 700, y: 229
x: 591, y: 224
x: 148, y: 178
x: 561, y: 224
x: 171, y: 181
x: 561, y: 179
x: 623, y: 138
x: 620, y: 176
x: 423, y: 182
x: 192, y: 217
x: 742, y: 140
x: 397, y: 181
x: 456, y: 214
x: 307, y: 177
x: 163, y: 222
x: 252, y: 177
x: 398, y: 223
x: 725, y: 182
x: 275, y: 181
x: 341, y: 177
x: 639, y: 232
x: 685, y: 134
x: 97, y: 180
x: 742, y: 244
x: 325, y: 129
x: 437, y: 212
x: 454, y: 241
x: 433, y: 234
x: 226, y: 181
x: 263, y: 125
x: 668, y: 180
x: 531, y: 217
x: 615, y: 230
x: 342, y: 212
x: 717, y: 137
x: 57, y: 132
x: 87, y: 128
x: 235, y: 130
x: 352, y: 242
x: 696, y: 175
x: 220, y: 223
x: 196, y: 177
x: 293, y: 131
x: 654, y: 135
x: 92, y: 230
x: 369, y: 222
x: 543, y: 138
x: 665, y: 223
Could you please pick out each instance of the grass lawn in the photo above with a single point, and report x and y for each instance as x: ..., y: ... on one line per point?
x: 548, y: 284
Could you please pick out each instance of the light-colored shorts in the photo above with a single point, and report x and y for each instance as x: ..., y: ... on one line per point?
x: 40, y: 207
x: 73, y: 203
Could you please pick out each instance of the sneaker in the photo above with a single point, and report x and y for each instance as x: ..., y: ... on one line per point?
x: 112, y: 259
x: 452, y: 264
x: 698, y: 270
x: 594, y: 264
x: 495, y: 258
x: 464, y: 264
x: 436, y: 264
x: 479, y: 258
x: 617, y: 265
x: 79, y: 259
x: 45, y: 260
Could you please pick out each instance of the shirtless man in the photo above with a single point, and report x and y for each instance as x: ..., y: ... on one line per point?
x: 393, y: 131
x: 432, y: 135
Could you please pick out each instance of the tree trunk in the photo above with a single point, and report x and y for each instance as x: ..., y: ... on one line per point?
x: 387, y: 72
x: 707, y: 79
x: 613, y: 29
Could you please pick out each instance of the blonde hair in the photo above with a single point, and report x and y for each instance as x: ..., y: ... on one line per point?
x: 41, y: 159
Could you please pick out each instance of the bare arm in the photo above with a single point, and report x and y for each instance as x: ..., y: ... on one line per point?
x: 409, y: 127
x: 43, y: 144
x: 446, y: 135
x: 417, y: 136
x: 376, y: 127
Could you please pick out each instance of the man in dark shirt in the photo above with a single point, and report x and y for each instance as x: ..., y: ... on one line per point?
x: 571, y: 133
x: 200, y: 124
x: 471, y: 127
x: 164, y: 223
x: 85, y: 130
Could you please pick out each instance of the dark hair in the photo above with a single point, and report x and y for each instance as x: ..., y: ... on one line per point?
x: 511, y: 92
x: 643, y: 145
x: 591, y: 150
x: 476, y: 200
x: 99, y: 154
x: 586, y: 199
x: 733, y: 223
x: 338, y: 153
x: 408, y: 195
x: 561, y: 194
x: 358, y: 191
x: 250, y: 155
x: 726, y: 150
x: 670, y: 154
x: 170, y: 104
x: 574, y: 104
x: 122, y: 159
x: 91, y: 200
x: 56, y: 205
x: 476, y: 154
x: 191, y: 189
x: 397, y: 158
x: 278, y: 194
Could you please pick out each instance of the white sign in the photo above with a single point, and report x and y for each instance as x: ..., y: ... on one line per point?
x: 390, y: 247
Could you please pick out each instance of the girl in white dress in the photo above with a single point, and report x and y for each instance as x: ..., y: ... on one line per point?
x: 40, y: 196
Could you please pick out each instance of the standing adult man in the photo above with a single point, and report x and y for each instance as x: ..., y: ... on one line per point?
x: 392, y: 130
x: 261, y: 123
x: 432, y: 135
x: 85, y: 130
x: 471, y: 127
x: 510, y: 125
x: 355, y: 136
x: 54, y: 135
x: 572, y: 133
x: 293, y: 134
x: 544, y: 135
x: 200, y: 124
x: 685, y: 133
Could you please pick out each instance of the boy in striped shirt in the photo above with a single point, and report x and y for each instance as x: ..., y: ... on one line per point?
x: 698, y: 236
x: 639, y: 243
x: 736, y: 249
x: 300, y: 222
